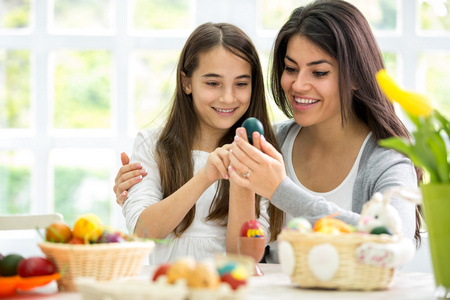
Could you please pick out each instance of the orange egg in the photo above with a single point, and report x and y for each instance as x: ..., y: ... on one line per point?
x: 331, y: 225
x: 58, y: 232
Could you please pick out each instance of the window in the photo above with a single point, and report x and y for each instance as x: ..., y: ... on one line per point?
x: 78, y: 79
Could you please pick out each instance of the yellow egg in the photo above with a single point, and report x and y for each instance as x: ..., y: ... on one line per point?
x: 88, y: 227
x: 239, y: 273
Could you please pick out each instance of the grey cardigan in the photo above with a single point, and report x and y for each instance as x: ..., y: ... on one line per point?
x: 379, y: 169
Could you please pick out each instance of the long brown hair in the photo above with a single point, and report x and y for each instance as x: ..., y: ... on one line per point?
x: 174, y: 146
x: 341, y: 30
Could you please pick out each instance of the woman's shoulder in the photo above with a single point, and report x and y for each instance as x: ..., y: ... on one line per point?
x: 282, y: 128
x: 375, y: 157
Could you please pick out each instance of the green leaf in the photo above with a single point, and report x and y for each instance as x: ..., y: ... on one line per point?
x: 439, y: 149
x: 404, y: 146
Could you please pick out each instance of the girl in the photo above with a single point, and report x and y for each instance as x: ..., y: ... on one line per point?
x: 323, y: 78
x: 186, y: 195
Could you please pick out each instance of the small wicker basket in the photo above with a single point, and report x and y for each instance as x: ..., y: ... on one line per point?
x: 351, y: 274
x: 103, y: 262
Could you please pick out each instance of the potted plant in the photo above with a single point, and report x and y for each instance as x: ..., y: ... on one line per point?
x: 429, y: 150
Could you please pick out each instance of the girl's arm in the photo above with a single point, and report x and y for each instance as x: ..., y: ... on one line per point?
x: 160, y: 219
x: 242, y: 204
x: 127, y: 176
x: 241, y: 209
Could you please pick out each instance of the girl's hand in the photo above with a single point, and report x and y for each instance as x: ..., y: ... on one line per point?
x: 128, y: 175
x: 217, y: 164
x: 261, y: 171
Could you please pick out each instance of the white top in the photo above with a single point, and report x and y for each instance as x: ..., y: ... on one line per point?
x: 203, y: 238
x: 342, y: 194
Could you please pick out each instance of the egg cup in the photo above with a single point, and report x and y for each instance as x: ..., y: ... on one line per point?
x: 253, y: 247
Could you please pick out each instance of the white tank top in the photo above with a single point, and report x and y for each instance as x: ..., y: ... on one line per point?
x: 341, y: 195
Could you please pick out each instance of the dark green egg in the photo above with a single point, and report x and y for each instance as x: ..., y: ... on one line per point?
x: 251, y: 125
x: 381, y: 230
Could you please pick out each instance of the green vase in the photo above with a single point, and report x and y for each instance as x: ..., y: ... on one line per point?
x: 436, y: 204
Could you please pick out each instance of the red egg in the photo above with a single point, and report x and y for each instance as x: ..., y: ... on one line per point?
x: 35, y: 266
x: 161, y: 270
x: 233, y: 282
x: 252, y: 228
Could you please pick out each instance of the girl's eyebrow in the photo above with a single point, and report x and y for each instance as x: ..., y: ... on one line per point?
x: 313, y: 63
x: 219, y: 76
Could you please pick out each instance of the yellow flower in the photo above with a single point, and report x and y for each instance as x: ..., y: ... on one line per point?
x: 414, y: 103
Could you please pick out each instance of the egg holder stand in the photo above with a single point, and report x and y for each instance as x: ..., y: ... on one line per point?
x: 104, y: 262
x: 253, y: 247
x: 349, y: 274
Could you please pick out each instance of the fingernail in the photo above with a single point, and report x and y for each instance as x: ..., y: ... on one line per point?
x: 226, y: 176
x: 124, y: 193
x: 139, y: 178
x: 236, y: 138
x: 143, y: 171
x: 263, y: 138
x: 137, y: 165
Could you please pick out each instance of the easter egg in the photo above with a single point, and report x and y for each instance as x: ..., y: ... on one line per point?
x: 35, y: 266
x: 251, y: 125
x: 300, y: 224
x: 234, y: 283
x: 252, y: 228
x: 110, y: 237
x: 161, y: 270
x: 331, y: 226
x: 180, y: 269
x: 381, y: 230
x: 58, y: 232
x: 88, y: 227
x: 204, y: 276
x: 226, y: 268
x: 9, y: 264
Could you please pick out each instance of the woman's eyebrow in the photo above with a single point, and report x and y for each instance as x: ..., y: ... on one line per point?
x: 313, y: 63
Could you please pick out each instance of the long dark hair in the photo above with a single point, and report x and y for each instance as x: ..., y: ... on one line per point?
x: 341, y: 30
x: 174, y: 146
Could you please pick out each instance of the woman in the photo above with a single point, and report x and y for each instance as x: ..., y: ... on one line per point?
x: 323, y: 77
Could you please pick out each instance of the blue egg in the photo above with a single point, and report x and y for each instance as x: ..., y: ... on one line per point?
x: 251, y: 125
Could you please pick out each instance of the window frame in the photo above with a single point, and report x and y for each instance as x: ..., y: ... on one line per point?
x: 407, y: 42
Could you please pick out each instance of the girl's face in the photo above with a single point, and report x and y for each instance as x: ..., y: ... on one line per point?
x: 221, y: 89
x: 311, y: 83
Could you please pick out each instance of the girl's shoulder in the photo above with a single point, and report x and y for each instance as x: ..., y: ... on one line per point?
x: 147, y: 137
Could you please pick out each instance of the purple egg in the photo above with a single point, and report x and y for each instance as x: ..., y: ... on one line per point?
x: 110, y: 237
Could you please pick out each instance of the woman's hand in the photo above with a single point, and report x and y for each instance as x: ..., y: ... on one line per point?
x: 261, y: 171
x: 128, y: 175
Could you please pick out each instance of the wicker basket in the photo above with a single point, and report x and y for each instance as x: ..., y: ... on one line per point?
x: 101, y: 261
x: 351, y: 274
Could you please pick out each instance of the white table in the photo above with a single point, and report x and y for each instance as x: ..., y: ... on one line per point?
x: 276, y: 285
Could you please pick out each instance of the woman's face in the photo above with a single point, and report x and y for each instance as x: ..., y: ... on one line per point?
x: 221, y: 89
x: 311, y: 83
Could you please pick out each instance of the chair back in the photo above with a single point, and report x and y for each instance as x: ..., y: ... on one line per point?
x: 28, y: 221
